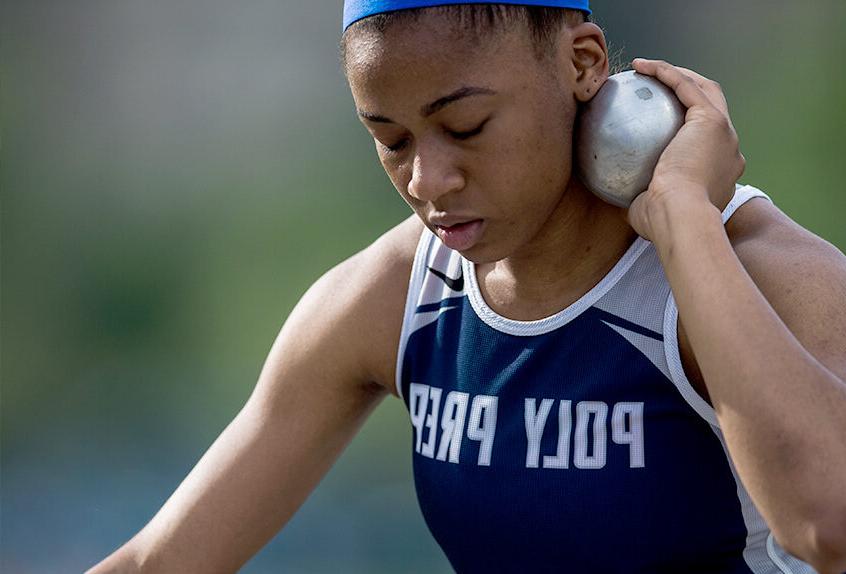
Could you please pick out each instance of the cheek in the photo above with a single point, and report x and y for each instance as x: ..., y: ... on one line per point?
x: 395, y: 173
x: 399, y: 177
x: 554, y: 138
x: 537, y: 162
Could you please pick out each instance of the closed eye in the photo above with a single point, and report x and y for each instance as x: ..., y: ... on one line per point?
x: 468, y: 134
x: 395, y: 147
x: 461, y: 136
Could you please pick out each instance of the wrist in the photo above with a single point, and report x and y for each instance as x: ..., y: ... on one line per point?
x: 677, y: 218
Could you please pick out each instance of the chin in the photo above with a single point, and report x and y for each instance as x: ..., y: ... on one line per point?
x: 482, y: 254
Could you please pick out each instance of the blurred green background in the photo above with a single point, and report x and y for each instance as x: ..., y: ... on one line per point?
x: 175, y: 173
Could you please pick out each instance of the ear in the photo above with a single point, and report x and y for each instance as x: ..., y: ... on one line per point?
x: 588, y: 60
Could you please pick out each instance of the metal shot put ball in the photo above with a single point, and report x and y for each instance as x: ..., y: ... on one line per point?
x: 621, y: 134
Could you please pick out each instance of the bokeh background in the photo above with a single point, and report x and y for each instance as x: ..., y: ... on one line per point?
x: 175, y: 173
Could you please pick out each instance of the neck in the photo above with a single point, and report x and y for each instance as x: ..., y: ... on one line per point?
x: 577, y: 246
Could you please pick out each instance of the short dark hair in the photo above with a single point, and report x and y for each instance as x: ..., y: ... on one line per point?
x: 543, y: 23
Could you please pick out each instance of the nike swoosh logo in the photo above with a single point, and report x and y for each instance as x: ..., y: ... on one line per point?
x: 456, y: 284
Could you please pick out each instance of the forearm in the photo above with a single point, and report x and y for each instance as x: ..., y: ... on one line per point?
x: 249, y: 483
x: 778, y: 407
x: 217, y: 516
x: 122, y: 561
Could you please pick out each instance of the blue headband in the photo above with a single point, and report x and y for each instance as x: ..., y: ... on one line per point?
x: 355, y: 10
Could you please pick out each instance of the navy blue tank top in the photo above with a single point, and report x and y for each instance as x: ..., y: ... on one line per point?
x: 573, y: 443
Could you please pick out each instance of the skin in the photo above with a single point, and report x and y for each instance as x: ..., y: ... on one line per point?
x: 751, y: 295
x: 515, y: 175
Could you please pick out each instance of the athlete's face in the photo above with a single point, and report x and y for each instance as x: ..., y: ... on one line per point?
x: 475, y: 136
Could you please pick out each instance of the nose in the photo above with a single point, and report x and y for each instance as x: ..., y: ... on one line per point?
x: 434, y: 173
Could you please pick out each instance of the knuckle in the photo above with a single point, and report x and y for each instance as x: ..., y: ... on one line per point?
x: 741, y: 164
x: 732, y: 134
x: 715, y: 117
x: 689, y: 82
x: 722, y: 122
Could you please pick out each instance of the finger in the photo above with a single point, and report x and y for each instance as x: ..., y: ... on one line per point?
x: 686, y: 88
x: 711, y: 88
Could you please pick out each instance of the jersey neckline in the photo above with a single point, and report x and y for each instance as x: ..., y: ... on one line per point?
x: 559, y: 319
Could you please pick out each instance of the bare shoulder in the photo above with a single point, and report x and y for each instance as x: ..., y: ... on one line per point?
x: 350, y: 320
x: 377, y: 280
x: 761, y: 232
x: 802, y: 276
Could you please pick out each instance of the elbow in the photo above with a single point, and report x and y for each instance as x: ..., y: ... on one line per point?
x: 821, y: 543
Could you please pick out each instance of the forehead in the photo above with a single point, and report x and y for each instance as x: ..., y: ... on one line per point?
x: 432, y: 49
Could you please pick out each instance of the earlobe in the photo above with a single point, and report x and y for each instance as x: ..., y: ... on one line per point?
x: 589, y: 60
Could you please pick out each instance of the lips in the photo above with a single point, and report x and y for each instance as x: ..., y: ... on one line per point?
x: 461, y: 235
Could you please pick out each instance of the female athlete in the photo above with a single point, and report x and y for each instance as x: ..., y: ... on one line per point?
x: 591, y: 389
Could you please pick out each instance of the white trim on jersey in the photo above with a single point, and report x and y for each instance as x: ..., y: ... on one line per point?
x: 547, y: 324
x: 674, y: 364
x: 415, y: 282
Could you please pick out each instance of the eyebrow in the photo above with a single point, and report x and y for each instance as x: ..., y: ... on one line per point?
x: 430, y: 108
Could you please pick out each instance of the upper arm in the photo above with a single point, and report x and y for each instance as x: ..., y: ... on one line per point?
x: 325, y: 373
x: 346, y: 328
x: 802, y: 277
